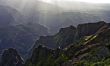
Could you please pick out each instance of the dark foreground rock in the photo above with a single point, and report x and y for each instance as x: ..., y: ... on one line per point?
x: 10, y: 57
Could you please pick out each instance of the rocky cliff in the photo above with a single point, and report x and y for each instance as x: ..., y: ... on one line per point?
x: 61, y: 39
x: 10, y: 57
x: 92, y: 48
x: 70, y: 35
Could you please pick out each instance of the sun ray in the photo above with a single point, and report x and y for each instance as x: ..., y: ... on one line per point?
x: 95, y: 1
x: 88, y: 1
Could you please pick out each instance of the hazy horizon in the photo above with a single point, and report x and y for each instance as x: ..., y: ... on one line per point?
x: 55, y: 15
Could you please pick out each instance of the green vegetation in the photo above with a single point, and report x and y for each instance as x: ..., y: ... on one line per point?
x: 89, y: 50
x: 98, y: 63
x: 50, y: 61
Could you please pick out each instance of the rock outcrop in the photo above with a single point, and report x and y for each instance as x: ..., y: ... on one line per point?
x: 10, y: 57
x: 92, y: 47
x: 70, y: 35
x: 89, y: 28
x: 61, y: 39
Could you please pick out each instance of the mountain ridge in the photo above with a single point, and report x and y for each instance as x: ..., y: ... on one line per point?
x: 85, y: 50
x: 90, y: 48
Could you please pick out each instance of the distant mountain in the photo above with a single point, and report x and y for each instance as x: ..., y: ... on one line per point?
x: 21, y: 36
x: 62, y: 14
x: 65, y: 19
x: 75, y: 13
x: 9, y: 16
x: 34, y: 10
x: 14, y: 34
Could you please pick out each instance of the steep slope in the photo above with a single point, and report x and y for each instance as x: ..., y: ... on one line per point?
x: 89, y: 28
x: 61, y: 39
x: 43, y: 56
x: 69, y: 35
x: 90, y: 48
x: 11, y: 57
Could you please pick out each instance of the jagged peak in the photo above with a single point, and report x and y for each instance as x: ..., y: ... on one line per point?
x: 10, y: 50
x: 67, y: 28
x: 11, y: 56
x: 100, y: 22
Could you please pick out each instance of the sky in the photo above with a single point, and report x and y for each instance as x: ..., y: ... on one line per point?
x: 89, y: 1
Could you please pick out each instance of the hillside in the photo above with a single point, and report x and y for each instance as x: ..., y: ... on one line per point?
x: 89, y: 49
x: 68, y: 35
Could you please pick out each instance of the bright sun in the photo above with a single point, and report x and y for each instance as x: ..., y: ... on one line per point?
x: 95, y: 1
x: 48, y: 1
x: 89, y: 1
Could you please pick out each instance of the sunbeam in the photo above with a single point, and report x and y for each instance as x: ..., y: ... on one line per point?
x: 88, y: 1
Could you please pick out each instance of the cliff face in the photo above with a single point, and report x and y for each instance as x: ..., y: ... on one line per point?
x: 61, y: 39
x: 10, y: 57
x: 89, y: 28
x: 70, y: 35
x: 71, y: 49
x: 43, y: 56
x: 90, y: 48
x: 40, y: 53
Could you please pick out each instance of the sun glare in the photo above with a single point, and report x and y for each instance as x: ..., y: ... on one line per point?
x: 89, y: 1
x: 94, y: 1
x: 48, y: 1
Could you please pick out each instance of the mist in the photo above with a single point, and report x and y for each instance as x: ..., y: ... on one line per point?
x: 57, y: 15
